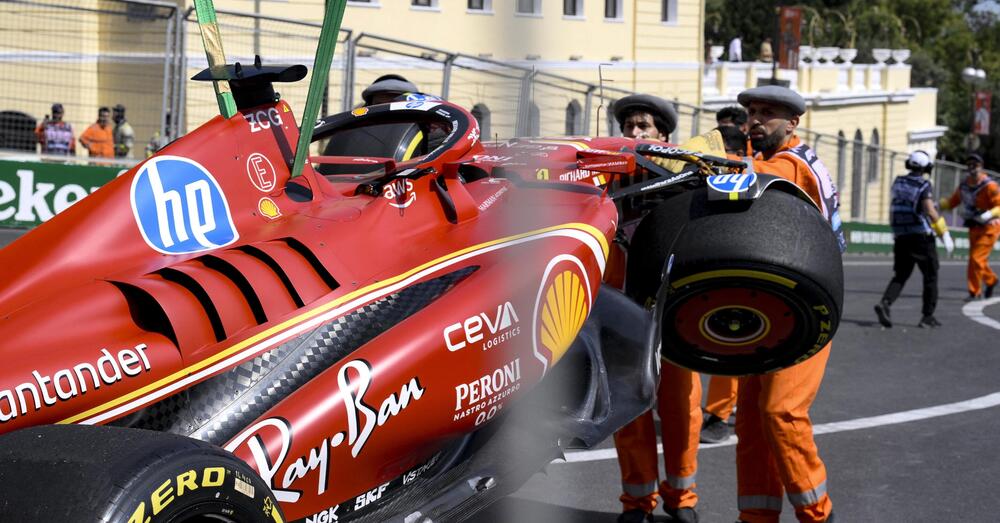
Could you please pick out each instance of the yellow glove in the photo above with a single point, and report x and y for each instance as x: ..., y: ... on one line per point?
x: 944, y: 204
x: 940, y: 227
x: 708, y: 143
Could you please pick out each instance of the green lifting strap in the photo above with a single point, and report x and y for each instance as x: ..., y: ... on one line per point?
x: 317, y: 84
x: 211, y: 39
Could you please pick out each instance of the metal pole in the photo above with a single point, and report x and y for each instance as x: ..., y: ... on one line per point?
x: 256, y: 27
x: 347, y: 89
x: 167, y: 60
x: 446, y: 81
x: 180, y: 120
x: 696, y: 122
x: 588, y: 105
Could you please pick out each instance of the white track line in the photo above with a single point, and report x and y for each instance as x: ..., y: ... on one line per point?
x: 982, y: 402
x: 888, y: 263
x: 973, y: 310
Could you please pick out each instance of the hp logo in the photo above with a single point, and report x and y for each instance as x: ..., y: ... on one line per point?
x: 732, y: 182
x: 180, y: 208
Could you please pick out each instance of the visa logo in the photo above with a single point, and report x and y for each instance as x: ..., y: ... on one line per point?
x: 180, y: 208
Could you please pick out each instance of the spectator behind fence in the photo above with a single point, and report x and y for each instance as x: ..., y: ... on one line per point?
x: 124, y: 136
x: 55, y: 135
x: 766, y: 51
x: 732, y: 116
x: 158, y: 141
x: 98, y: 138
x: 736, y: 50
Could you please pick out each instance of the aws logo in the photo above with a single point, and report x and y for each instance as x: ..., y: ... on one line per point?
x: 561, y: 308
x: 180, y: 207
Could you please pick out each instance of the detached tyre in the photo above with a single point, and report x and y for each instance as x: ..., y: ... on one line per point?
x: 751, y: 286
x: 82, y: 473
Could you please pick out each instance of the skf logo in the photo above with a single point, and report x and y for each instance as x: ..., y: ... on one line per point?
x: 732, y: 182
x: 261, y: 172
x: 501, y: 327
x: 370, y: 497
x: 180, y: 208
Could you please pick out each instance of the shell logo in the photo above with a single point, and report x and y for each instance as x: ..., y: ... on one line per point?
x: 360, y: 111
x: 561, y: 309
x: 268, y: 208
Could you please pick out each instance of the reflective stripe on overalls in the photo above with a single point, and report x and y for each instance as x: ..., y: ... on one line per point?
x: 829, y: 198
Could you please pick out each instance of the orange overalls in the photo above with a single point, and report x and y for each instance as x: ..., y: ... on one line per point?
x: 721, y: 396
x: 776, y: 452
x: 978, y: 196
x: 679, y: 405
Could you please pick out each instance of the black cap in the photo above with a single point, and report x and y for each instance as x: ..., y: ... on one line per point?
x: 57, y: 108
x: 974, y: 158
x: 119, y: 108
x: 658, y: 107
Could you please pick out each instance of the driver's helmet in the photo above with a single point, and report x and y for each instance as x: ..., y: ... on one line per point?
x: 387, y: 85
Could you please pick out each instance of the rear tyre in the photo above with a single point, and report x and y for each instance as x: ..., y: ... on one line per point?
x: 82, y: 473
x: 750, y: 287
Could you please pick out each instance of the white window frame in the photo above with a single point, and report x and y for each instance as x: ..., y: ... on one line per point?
x: 537, y: 13
x: 619, y: 8
x: 486, y: 10
x: 363, y: 3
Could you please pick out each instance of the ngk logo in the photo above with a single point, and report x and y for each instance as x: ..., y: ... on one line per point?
x: 500, y: 326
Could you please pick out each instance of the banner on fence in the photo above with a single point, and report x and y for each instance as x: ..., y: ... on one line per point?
x: 868, y: 238
x: 33, y: 192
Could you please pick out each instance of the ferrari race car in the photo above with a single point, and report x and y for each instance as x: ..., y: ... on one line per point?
x: 208, y: 338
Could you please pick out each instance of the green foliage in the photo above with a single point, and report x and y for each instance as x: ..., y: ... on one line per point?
x: 944, y: 36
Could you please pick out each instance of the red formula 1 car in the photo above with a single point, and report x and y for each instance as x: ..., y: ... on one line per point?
x: 208, y: 339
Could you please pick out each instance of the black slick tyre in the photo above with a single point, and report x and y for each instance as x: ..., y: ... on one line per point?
x: 746, y: 287
x: 106, y: 474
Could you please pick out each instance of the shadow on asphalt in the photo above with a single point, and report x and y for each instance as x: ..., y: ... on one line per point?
x: 513, y: 509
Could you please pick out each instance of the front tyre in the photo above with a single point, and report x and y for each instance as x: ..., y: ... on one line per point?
x: 750, y: 286
x: 81, y: 473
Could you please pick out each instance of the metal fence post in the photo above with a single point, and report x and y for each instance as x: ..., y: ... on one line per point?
x: 446, y: 80
x: 588, y: 106
x: 350, y: 50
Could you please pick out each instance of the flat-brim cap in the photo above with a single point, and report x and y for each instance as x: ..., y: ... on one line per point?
x: 388, y: 86
x: 774, y: 94
x: 654, y: 105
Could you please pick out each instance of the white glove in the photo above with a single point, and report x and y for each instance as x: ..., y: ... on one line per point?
x: 985, y: 217
x: 949, y: 244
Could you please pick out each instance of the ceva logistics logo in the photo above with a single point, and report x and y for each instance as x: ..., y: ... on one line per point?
x: 180, y: 208
x: 732, y: 182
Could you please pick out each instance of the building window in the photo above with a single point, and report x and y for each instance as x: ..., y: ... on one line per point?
x: 574, y: 119
x: 529, y: 7
x: 841, y: 158
x: 480, y: 5
x: 613, y: 127
x: 613, y: 9
x: 669, y: 12
x: 482, y: 115
x: 573, y: 7
x: 534, y: 120
x: 857, y: 174
x: 873, y: 157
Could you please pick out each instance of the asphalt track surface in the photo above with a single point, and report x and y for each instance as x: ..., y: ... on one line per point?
x: 907, y: 421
